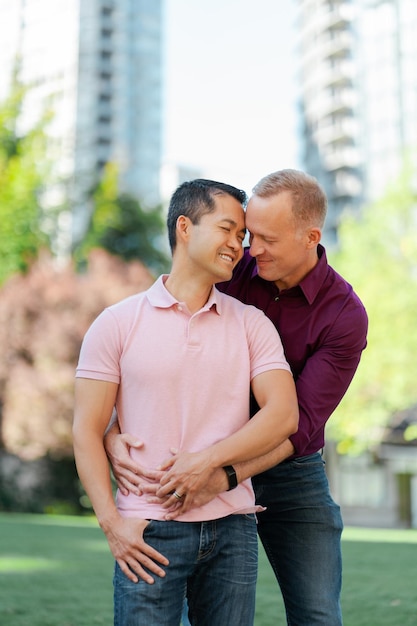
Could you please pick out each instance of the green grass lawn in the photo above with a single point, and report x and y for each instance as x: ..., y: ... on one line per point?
x: 57, y: 571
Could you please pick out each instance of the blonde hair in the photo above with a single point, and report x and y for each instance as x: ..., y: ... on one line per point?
x: 309, y: 202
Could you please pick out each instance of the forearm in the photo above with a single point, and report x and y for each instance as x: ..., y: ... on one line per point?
x: 247, y: 469
x: 251, y: 442
x: 93, y: 470
x: 113, y: 428
x: 93, y: 406
x: 219, y: 482
x: 275, y: 421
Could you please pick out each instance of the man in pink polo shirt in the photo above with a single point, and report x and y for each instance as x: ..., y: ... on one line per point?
x: 175, y: 362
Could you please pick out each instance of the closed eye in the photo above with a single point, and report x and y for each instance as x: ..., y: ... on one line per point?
x: 264, y: 239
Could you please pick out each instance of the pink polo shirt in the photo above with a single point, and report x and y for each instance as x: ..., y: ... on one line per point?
x: 183, y: 379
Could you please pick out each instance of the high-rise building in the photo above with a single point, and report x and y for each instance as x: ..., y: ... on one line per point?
x: 358, y: 82
x: 97, y: 64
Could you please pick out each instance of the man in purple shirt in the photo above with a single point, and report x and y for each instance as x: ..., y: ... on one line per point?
x: 323, y: 326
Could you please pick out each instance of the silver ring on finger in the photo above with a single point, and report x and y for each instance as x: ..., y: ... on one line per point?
x: 177, y: 495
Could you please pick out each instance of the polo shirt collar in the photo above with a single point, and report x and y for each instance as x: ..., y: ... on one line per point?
x: 160, y: 297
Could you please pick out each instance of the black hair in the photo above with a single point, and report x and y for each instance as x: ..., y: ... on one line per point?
x: 194, y: 199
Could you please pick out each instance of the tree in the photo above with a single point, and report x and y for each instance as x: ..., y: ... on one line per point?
x: 44, y: 315
x: 120, y: 226
x: 378, y: 256
x: 23, y: 170
x: 43, y: 318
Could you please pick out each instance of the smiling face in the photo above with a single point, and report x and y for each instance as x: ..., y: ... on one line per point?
x: 285, y: 251
x: 215, y: 242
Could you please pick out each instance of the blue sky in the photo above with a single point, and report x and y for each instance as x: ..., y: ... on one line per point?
x: 231, y: 87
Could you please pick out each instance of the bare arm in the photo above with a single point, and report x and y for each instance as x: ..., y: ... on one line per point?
x: 129, y: 474
x: 94, y: 402
x: 261, y: 464
x: 218, y: 482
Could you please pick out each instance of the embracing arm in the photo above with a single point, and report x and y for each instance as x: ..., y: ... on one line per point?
x: 94, y: 402
x: 219, y: 483
x: 129, y: 474
x: 276, y: 419
x: 247, y: 469
x: 327, y: 374
x: 321, y: 385
x: 274, y: 391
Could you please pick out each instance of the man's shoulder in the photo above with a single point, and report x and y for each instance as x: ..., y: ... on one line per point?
x: 129, y: 303
x: 231, y: 304
x: 342, y: 286
x: 125, y: 311
x: 344, y: 305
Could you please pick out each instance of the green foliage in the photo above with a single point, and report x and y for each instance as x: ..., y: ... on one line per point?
x: 410, y: 433
x: 123, y: 228
x: 378, y: 256
x: 23, y: 169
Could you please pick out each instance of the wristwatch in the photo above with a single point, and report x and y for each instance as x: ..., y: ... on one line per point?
x: 231, y: 476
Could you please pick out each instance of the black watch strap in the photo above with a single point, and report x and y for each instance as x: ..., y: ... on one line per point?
x: 231, y: 476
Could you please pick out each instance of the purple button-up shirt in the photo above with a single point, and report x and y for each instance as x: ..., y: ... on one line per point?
x: 323, y: 326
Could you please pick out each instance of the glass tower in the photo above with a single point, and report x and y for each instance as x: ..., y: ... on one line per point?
x: 97, y: 65
x: 358, y: 82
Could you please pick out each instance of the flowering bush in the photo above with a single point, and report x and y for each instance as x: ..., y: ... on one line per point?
x: 43, y: 318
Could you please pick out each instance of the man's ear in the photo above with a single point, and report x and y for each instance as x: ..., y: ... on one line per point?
x: 183, y: 227
x: 314, y: 237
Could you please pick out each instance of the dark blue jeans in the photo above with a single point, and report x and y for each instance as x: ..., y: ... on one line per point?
x: 214, y: 562
x: 301, y: 531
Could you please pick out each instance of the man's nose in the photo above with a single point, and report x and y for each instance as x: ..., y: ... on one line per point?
x: 255, y: 247
x: 235, y: 241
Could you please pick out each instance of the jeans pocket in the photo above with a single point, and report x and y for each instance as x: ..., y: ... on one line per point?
x: 148, y: 526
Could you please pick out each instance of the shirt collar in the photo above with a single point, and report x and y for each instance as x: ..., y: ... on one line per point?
x: 159, y: 296
x: 311, y: 284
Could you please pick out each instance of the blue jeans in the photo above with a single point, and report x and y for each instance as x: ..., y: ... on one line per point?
x: 301, y: 531
x: 213, y: 563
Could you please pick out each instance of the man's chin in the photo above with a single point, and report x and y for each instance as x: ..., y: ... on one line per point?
x: 224, y: 277
x: 262, y: 273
